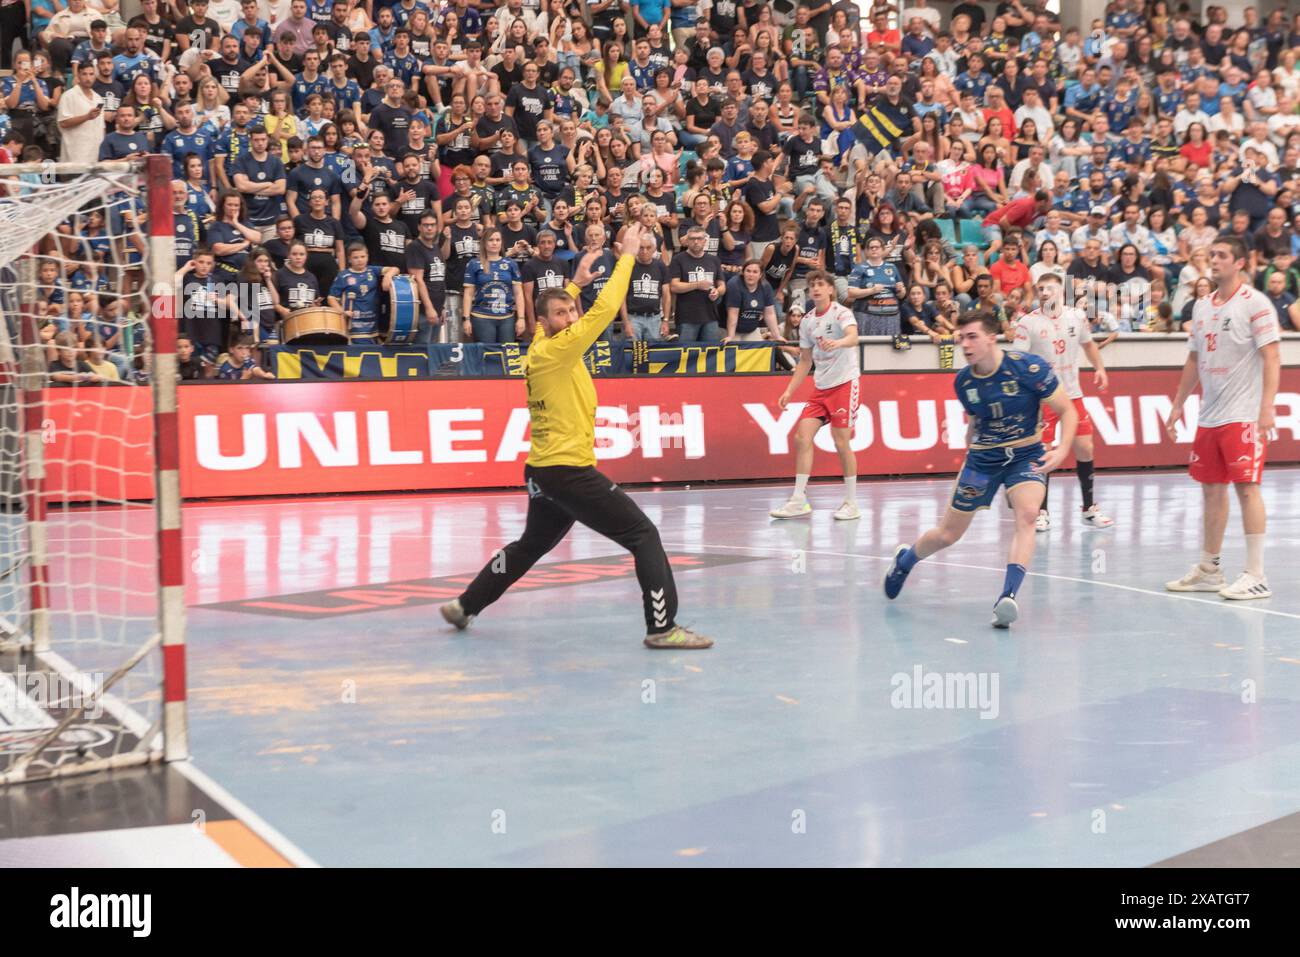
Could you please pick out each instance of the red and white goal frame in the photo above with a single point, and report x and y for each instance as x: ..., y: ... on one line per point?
x: 92, y: 563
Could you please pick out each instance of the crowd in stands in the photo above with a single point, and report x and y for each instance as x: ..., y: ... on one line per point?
x: 932, y: 158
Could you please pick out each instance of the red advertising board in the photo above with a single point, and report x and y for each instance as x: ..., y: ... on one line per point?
x: 303, y: 438
x: 97, y: 443
x: 371, y: 436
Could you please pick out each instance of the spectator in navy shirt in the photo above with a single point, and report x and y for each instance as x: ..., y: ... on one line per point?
x: 259, y: 176
x: 1283, y: 300
x: 750, y: 305
x: 915, y: 43
x: 239, y: 364
x: 124, y: 142
x: 391, y: 118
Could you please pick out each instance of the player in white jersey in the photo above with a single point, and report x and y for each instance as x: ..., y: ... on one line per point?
x: 828, y: 338
x: 1234, y: 353
x: 1059, y: 333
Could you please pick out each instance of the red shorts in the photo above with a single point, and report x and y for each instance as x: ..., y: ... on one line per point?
x: 1227, y: 453
x: 1084, y: 426
x: 837, y: 405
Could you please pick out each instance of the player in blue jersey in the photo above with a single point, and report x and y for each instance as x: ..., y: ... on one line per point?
x: 1002, y: 393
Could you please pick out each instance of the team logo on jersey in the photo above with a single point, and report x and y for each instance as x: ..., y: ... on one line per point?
x: 1011, y: 388
x: 972, y: 395
x: 1033, y: 367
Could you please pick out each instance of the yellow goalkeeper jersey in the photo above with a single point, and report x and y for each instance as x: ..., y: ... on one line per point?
x: 561, y: 395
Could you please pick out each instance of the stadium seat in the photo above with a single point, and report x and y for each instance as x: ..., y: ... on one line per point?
x: 972, y: 232
x: 947, y: 231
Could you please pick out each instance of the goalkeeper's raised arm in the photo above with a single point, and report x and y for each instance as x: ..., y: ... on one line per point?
x: 570, y: 333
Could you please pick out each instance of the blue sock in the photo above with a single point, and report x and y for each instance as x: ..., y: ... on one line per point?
x: 908, y: 559
x: 1015, y: 578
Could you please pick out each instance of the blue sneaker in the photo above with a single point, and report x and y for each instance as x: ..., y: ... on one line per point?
x: 1005, y: 612
x: 895, y: 577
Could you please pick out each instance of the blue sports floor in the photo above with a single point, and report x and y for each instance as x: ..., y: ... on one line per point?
x: 1118, y: 725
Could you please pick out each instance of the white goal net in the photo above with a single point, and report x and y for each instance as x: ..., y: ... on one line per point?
x: 91, y: 607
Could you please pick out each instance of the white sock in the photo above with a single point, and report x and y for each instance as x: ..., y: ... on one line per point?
x: 850, y: 488
x: 1210, y: 561
x: 800, y: 487
x: 1255, y: 554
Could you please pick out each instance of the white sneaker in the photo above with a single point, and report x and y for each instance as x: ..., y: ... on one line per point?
x: 455, y: 615
x: 1246, y: 587
x: 1043, y: 522
x: 847, y: 512
x: 795, y: 508
x: 1093, y: 517
x: 1005, y: 612
x: 1198, y: 579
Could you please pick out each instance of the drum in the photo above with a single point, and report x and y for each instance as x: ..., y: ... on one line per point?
x: 316, y: 325
x: 403, y: 311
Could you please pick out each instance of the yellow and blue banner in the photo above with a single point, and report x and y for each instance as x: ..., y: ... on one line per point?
x: 480, y: 361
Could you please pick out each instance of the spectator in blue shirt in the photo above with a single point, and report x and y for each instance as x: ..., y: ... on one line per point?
x: 493, y: 293
x: 309, y: 81
x: 1083, y: 97
x: 87, y: 50
x: 974, y: 80
x: 185, y: 139
x: 33, y: 91
x: 356, y: 290
x: 383, y: 32
x: 250, y: 22
x: 135, y: 59
x: 646, y: 12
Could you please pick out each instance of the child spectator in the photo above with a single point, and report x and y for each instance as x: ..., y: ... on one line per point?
x: 188, y: 364
x: 97, y: 360
x: 68, y: 367
x: 239, y: 364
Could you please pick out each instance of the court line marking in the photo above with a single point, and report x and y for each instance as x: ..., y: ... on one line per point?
x: 1221, y: 603
x: 703, y: 485
x: 281, y: 844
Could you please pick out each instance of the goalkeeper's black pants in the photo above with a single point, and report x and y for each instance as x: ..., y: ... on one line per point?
x: 558, y: 496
